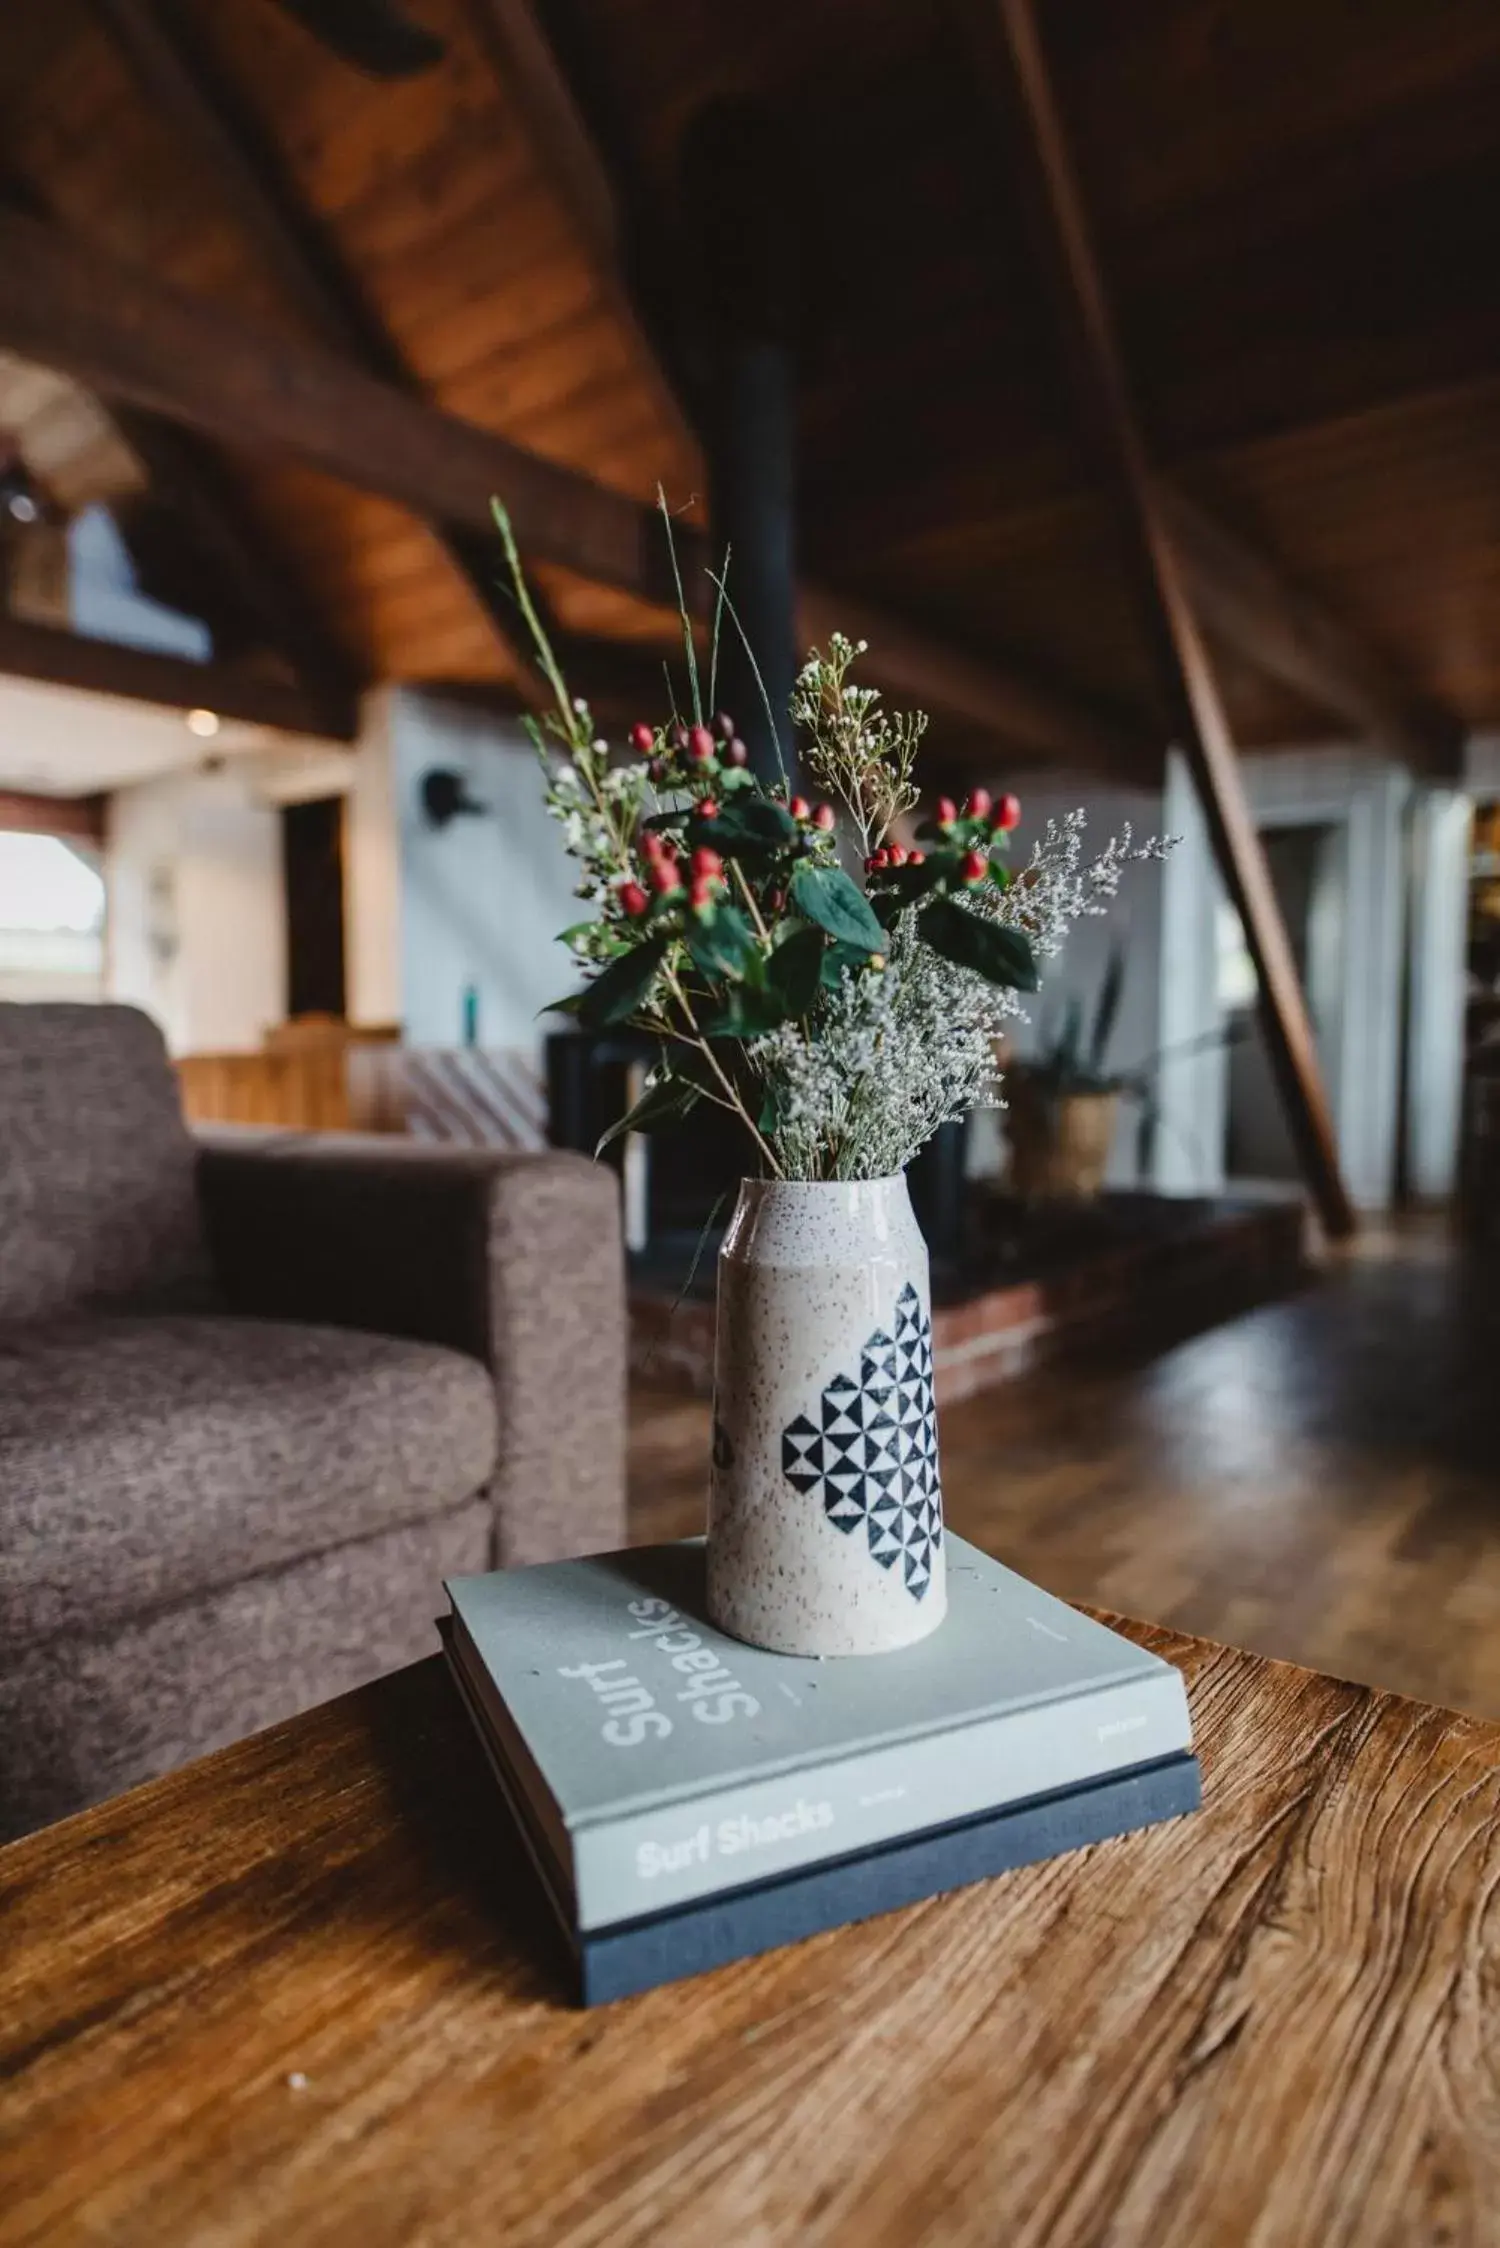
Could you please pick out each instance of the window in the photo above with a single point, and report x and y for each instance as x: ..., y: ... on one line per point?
x: 51, y: 919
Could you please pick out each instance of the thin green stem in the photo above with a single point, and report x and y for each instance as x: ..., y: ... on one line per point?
x: 712, y: 1059
x: 689, y: 646
x: 721, y: 581
x: 749, y: 896
x: 543, y: 645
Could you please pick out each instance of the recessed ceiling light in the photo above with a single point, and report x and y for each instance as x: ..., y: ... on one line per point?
x: 203, y: 723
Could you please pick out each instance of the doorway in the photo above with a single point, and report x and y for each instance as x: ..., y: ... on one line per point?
x: 1309, y: 872
x: 312, y: 858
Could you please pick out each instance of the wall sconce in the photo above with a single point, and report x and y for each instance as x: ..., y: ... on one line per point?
x: 445, y: 797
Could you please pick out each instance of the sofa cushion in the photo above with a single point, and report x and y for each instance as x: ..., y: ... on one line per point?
x: 147, y: 1459
x: 98, y: 1194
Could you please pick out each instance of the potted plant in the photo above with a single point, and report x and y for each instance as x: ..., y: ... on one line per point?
x: 1061, y: 1107
x: 840, y: 994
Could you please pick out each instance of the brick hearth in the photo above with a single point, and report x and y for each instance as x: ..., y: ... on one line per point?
x: 1148, y: 1268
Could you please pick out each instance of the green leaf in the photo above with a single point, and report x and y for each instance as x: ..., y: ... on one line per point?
x: 905, y: 886
x: 722, y: 946
x: 826, y: 895
x: 615, y: 996
x: 769, y: 1119
x: 747, y: 825
x: 572, y: 1005
x: 794, y: 970
x: 1001, y: 956
x: 836, y: 959
x: 745, y: 1014
x: 661, y: 1103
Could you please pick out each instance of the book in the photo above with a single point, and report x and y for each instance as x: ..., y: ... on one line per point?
x: 656, y: 1762
x: 664, y: 1947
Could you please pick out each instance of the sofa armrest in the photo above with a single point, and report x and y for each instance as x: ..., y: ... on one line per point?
x: 514, y: 1259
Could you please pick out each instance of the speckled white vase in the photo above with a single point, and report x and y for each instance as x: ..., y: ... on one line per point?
x: 825, y: 1512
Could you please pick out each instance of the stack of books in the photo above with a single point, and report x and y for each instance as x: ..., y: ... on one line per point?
x: 689, y: 1800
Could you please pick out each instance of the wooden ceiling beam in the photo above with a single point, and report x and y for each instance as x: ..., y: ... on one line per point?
x: 130, y: 336
x: 911, y: 663
x: 246, y: 171
x: 1105, y: 396
x: 108, y: 667
x: 78, y: 819
x: 1280, y: 629
x: 187, y: 475
x: 1028, y: 715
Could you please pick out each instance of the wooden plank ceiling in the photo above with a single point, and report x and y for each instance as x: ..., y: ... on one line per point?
x: 1296, y: 204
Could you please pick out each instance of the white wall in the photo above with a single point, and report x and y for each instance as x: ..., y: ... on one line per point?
x: 1135, y: 918
x: 1440, y: 841
x: 1192, y: 1079
x: 1372, y: 802
x: 196, y: 929
x: 482, y: 900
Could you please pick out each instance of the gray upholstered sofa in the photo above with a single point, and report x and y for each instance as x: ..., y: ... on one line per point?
x: 257, y: 1399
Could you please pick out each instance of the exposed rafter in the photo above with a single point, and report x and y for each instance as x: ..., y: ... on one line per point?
x: 187, y: 474
x: 1282, y: 630
x: 79, y: 819
x: 106, y: 667
x: 1065, y: 242
x: 266, y: 588
x: 1024, y: 712
x: 1257, y: 613
x: 244, y: 169
x: 129, y: 337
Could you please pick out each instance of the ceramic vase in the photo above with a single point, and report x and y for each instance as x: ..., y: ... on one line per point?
x: 825, y: 1531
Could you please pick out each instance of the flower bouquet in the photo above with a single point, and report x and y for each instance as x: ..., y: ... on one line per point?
x: 836, y: 979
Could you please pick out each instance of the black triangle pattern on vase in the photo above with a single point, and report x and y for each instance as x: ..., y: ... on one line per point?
x: 871, y: 1453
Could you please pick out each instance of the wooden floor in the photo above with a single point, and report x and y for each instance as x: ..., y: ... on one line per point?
x: 1319, y: 1479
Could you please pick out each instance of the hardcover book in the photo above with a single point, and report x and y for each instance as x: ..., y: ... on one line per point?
x: 655, y: 1763
x: 664, y: 1947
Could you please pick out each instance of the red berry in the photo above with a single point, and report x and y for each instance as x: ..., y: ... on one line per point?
x: 700, y: 745
x: 652, y: 846
x: 706, y: 864
x: 736, y: 753
x: 642, y: 739
x: 701, y: 894
x: 895, y: 855
x: 633, y: 898
x: 679, y: 736
x: 724, y: 726
x: 1007, y: 812
x: 947, y: 811
x: 664, y: 877
x: 977, y: 806
x: 775, y: 900
x: 916, y: 858
x: 657, y: 769
x: 974, y: 866
x: 799, y: 807
x: 877, y: 860
x: 823, y: 817
x: 708, y: 809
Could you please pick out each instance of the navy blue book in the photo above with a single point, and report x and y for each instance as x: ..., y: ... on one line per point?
x: 628, y: 1956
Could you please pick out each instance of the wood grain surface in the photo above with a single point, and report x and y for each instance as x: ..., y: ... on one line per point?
x: 304, y: 1991
x: 1318, y: 1480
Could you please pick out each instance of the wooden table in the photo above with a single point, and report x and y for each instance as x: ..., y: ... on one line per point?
x: 303, y: 1993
